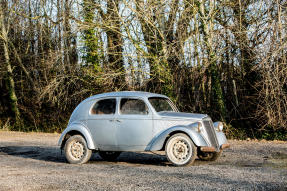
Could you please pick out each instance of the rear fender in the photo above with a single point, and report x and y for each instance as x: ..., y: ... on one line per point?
x: 77, y: 128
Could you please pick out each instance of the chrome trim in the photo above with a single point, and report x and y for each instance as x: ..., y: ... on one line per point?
x: 210, y: 131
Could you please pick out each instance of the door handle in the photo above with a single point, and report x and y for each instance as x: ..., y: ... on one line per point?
x: 113, y: 120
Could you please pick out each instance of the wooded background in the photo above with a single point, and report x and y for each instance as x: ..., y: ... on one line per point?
x: 225, y: 58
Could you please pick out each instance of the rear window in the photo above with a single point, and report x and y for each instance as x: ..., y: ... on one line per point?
x: 104, y: 107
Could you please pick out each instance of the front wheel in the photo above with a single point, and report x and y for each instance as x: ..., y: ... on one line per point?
x: 76, y: 150
x: 180, y: 150
x: 109, y: 155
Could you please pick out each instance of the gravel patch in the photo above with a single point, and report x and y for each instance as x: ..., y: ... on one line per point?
x: 33, y: 161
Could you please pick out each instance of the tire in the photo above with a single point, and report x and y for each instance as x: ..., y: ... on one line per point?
x: 76, y: 150
x: 109, y: 155
x: 209, y: 156
x: 180, y: 150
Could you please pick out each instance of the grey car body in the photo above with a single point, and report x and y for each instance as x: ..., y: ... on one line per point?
x: 140, y: 132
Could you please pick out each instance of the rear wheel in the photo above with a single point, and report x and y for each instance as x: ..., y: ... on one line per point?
x: 76, y: 150
x: 209, y: 156
x: 109, y: 155
x: 180, y: 150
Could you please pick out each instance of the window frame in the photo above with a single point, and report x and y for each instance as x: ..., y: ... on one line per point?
x: 173, y: 106
x: 138, y: 98
x: 101, y: 99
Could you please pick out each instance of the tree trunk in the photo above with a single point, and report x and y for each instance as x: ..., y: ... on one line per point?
x: 9, y: 80
x: 70, y: 59
x: 115, y: 44
x: 90, y: 39
x: 217, y: 99
x: 158, y: 40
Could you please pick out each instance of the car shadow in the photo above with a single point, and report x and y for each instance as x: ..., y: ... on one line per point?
x: 54, y: 154
x: 49, y: 154
x: 134, y: 158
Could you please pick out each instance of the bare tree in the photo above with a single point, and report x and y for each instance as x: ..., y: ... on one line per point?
x: 10, y: 78
x: 225, y: 58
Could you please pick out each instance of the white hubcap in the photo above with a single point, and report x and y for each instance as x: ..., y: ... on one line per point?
x: 77, y: 150
x: 179, y: 150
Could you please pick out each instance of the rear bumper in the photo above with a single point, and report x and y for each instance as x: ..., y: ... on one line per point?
x: 213, y: 149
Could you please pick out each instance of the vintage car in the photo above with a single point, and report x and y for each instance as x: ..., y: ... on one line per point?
x: 111, y: 123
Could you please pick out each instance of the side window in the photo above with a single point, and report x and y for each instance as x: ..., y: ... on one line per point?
x: 133, y: 106
x: 105, y: 106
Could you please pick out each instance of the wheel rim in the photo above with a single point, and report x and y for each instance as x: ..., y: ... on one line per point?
x: 180, y: 150
x: 77, y: 150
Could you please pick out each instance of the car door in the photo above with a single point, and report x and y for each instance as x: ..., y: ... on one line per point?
x: 134, y: 124
x: 102, y: 125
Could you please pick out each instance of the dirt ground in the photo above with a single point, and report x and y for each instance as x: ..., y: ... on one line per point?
x: 33, y: 161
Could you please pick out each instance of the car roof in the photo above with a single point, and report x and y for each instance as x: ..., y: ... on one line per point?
x: 127, y: 94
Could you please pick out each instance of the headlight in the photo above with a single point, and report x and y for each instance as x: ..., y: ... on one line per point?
x: 218, y: 126
x: 197, y: 126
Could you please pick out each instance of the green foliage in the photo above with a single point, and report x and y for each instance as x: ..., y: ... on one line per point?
x: 217, y: 94
x: 270, y: 134
x: 164, y: 76
x: 91, y: 40
x: 235, y: 133
x: 242, y: 133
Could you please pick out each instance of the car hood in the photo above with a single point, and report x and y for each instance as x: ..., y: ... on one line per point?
x: 182, y: 115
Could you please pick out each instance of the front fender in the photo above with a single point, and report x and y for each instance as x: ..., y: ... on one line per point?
x: 221, y: 138
x: 219, y: 134
x: 158, y: 141
x: 78, y: 127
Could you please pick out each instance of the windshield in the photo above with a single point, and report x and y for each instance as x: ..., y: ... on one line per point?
x: 161, y: 104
